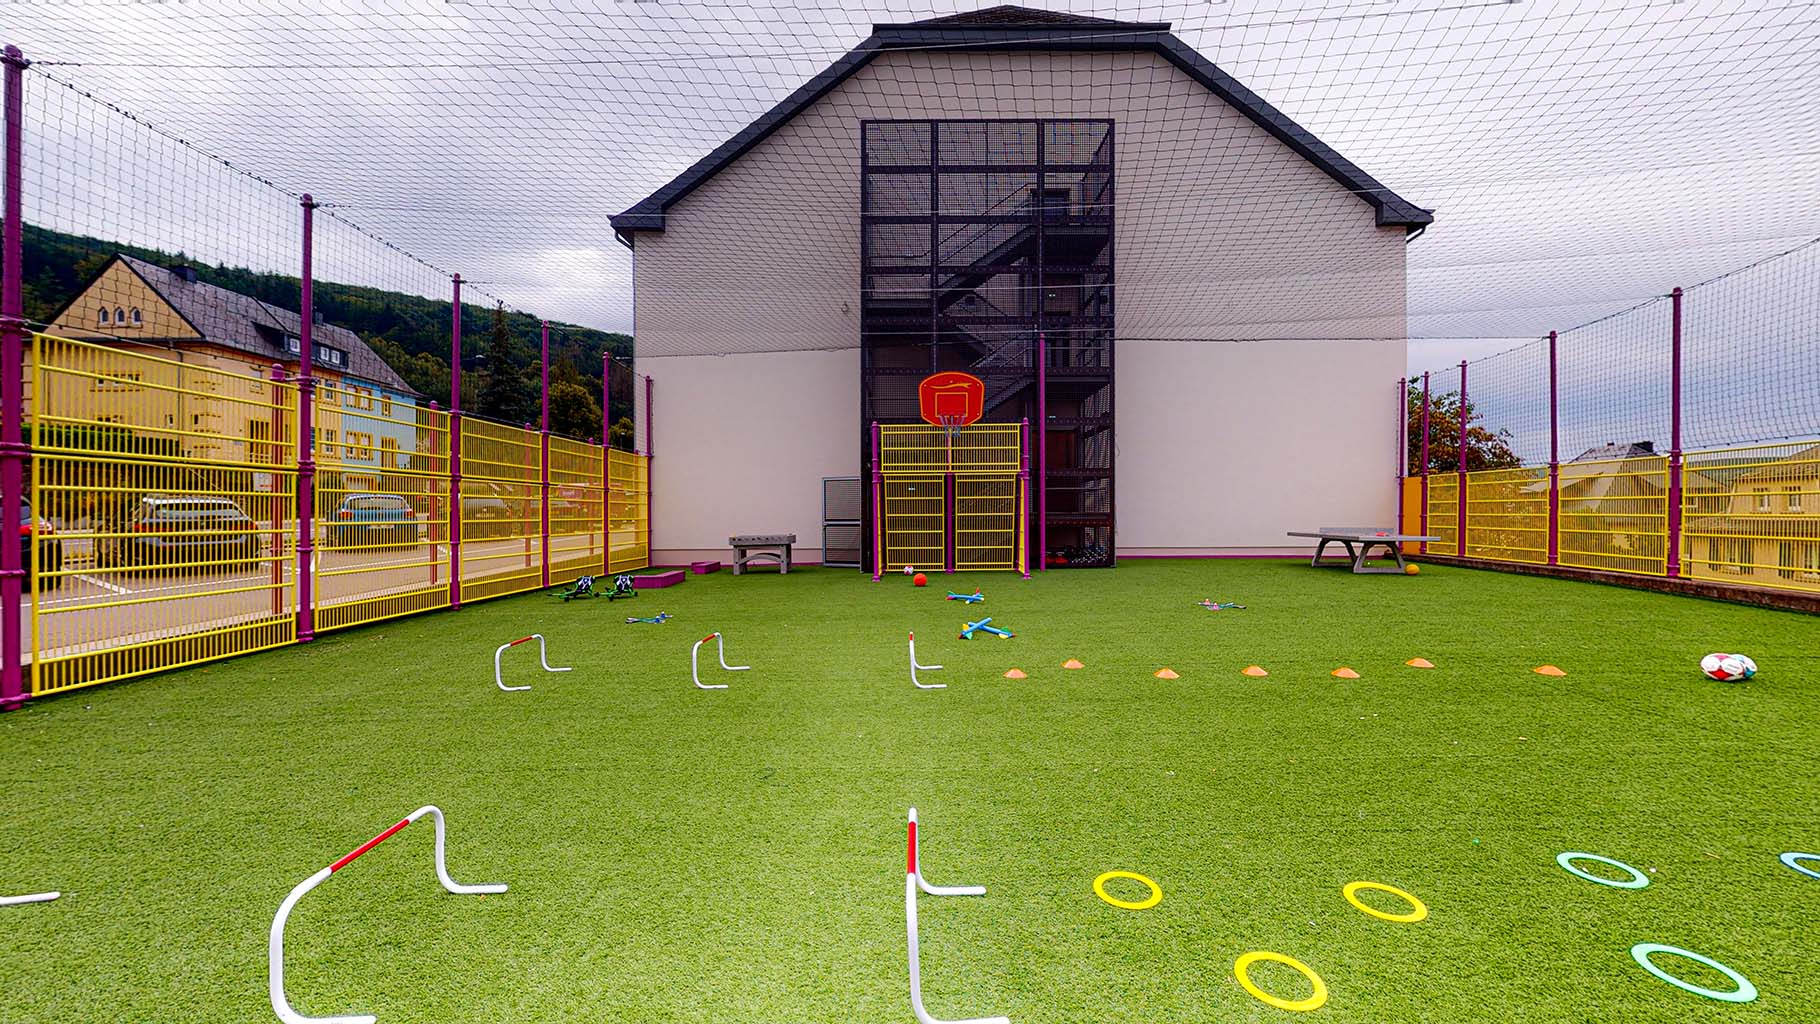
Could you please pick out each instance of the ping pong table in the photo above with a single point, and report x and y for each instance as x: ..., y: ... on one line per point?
x: 1359, y: 542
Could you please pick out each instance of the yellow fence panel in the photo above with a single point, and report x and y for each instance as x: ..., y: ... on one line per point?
x: 162, y: 513
x: 577, y: 509
x: 1443, y: 513
x: 1751, y: 516
x: 382, y: 506
x: 501, y: 509
x: 989, y: 448
x: 628, y: 507
x: 1507, y: 515
x: 986, y: 534
x: 1614, y: 515
x: 915, y: 522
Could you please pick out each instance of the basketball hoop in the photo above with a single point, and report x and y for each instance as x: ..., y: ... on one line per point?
x: 951, y: 400
x: 951, y: 425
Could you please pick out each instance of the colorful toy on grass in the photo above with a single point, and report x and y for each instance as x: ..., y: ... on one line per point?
x: 275, y: 944
x: 914, y: 668
x: 543, y: 658
x: 981, y: 626
x: 623, y: 587
x: 657, y: 620
x: 722, y: 647
x: 581, y: 590
x: 919, y: 580
x: 1728, y: 668
x: 974, y: 598
x: 1215, y: 606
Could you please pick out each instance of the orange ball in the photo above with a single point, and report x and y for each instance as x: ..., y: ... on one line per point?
x: 920, y: 580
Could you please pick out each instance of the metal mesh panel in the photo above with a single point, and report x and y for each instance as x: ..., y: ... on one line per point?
x: 986, y: 534
x: 1614, y: 515
x: 1752, y: 516
x: 915, y: 530
x: 1507, y: 515
x: 577, y: 509
x: 628, y: 507
x: 1443, y: 514
x: 501, y: 510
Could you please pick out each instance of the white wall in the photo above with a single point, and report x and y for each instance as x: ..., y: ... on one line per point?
x: 1226, y: 447
x: 742, y: 443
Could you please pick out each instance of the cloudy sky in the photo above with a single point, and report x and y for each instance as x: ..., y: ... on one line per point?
x: 1581, y: 157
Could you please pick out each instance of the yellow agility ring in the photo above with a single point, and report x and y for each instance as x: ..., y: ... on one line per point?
x: 1418, y: 911
x: 1313, y: 1002
x: 1155, y: 897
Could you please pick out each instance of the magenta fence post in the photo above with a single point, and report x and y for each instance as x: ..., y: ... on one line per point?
x: 14, y: 450
x: 1402, y: 432
x: 544, y: 436
x: 606, y: 464
x: 455, y: 449
x: 949, y: 537
x: 1042, y: 451
x: 1554, y: 454
x: 306, y: 434
x: 878, y: 509
x: 436, y: 534
x: 275, y: 456
x: 1424, y: 466
x: 1023, y: 482
x: 1674, y: 438
x: 1459, y: 542
x: 650, y: 475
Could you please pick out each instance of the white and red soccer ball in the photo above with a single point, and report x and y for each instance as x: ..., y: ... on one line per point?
x: 1728, y: 668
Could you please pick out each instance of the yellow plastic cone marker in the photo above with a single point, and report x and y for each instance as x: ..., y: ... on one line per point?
x: 1255, y: 672
x: 1419, y: 663
x: 1071, y: 663
x: 1549, y: 670
x: 1166, y: 673
x: 1016, y: 673
x: 1344, y: 673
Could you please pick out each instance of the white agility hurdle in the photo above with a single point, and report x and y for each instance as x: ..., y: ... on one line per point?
x: 543, y: 658
x: 695, y: 673
x: 37, y: 897
x: 914, y: 880
x: 275, y: 952
x: 926, y: 668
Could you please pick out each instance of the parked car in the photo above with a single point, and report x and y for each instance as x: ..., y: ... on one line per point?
x: 364, y: 520
x: 181, y: 530
x: 484, y: 513
x: 50, y: 552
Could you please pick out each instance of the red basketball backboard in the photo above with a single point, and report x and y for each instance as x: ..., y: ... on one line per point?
x: 951, y: 398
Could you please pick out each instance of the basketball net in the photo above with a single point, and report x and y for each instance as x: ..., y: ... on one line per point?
x: 951, y: 425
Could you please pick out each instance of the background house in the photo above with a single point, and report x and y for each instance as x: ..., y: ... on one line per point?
x: 950, y: 191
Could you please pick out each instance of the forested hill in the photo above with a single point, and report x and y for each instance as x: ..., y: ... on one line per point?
x: 408, y: 331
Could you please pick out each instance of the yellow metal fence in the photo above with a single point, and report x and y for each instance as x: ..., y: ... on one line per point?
x: 163, y: 518
x: 1752, y: 516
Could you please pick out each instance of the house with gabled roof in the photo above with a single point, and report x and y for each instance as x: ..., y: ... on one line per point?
x: 964, y: 192
x: 366, y: 410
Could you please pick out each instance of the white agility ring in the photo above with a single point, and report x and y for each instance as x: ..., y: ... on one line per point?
x: 926, y: 668
x: 275, y: 950
x: 1638, y: 880
x: 913, y: 880
x: 543, y: 658
x: 46, y: 897
x: 695, y: 673
x: 1789, y: 860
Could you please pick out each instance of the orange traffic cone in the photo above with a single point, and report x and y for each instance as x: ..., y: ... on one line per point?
x: 1344, y: 673
x: 1419, y: 663
x: 1548, y: 670
x: 1167, y: 673
x: 1016, y: 673
x: 1071, y: 663
x: 1255, y: 672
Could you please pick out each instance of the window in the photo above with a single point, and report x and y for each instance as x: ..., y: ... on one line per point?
x: 385, y: 404
x: 359, y: 445
x: 1794, y: 498
x: 1763, y: 503
x: 137, y: 318
x: 103, y: 317
x: 1810, y: 560
x: 117, y: 382
x: 388, y: 453
x: 119, y: 315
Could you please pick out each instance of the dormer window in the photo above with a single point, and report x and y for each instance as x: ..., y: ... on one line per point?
x: 103, y: 317
x: 119, y: 315
x: 137, y: 318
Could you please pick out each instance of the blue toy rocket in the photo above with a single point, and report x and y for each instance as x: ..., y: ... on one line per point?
x: 982, y: 627
x: 974, y: 598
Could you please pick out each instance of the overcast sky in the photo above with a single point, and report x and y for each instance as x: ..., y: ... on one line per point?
x: 1580, y: 157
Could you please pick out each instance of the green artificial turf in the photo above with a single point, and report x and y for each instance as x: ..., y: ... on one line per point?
x: 736, y: 856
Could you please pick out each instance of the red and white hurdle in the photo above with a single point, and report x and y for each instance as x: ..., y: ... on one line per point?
x: 926, y: 668
x: 695, y: 673
x: 37, y: 897
x: 543, y: 658
x: 914, y: 880
x: 275, y: 950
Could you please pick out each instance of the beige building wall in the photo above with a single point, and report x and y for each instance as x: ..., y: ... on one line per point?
x: 1222, y: 234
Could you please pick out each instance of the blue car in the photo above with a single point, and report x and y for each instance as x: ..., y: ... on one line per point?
x: 372, y: 520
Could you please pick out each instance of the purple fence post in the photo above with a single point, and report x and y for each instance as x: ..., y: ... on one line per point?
x: 1459, y: 541
x: 436, y: 535
x: 949, y: 537
x: 606, y: 464
x: 455, y: 449
x: 1424, y: 466
x: 1674, y: 439
x: 544, y: 434
x: 650, y: 475
x: 275, y: 457
x: 1402, y: 434
x: 1023, y: 483
x: 13, y: 448
x: 878, y: 509
x: 306, y: 436
x: 1042, y: 452
x: 1554, y: 455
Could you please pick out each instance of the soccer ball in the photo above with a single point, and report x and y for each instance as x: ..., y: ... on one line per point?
x: 909, y: 570
x: 1728, y: 668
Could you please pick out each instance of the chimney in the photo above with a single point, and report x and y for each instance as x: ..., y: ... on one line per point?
x: 185, y: 271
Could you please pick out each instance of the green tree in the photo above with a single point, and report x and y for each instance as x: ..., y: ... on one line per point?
x: 1485, y: 448
x: 506, y: 395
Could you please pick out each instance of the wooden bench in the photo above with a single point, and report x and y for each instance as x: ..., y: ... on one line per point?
x: 769, y: 547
